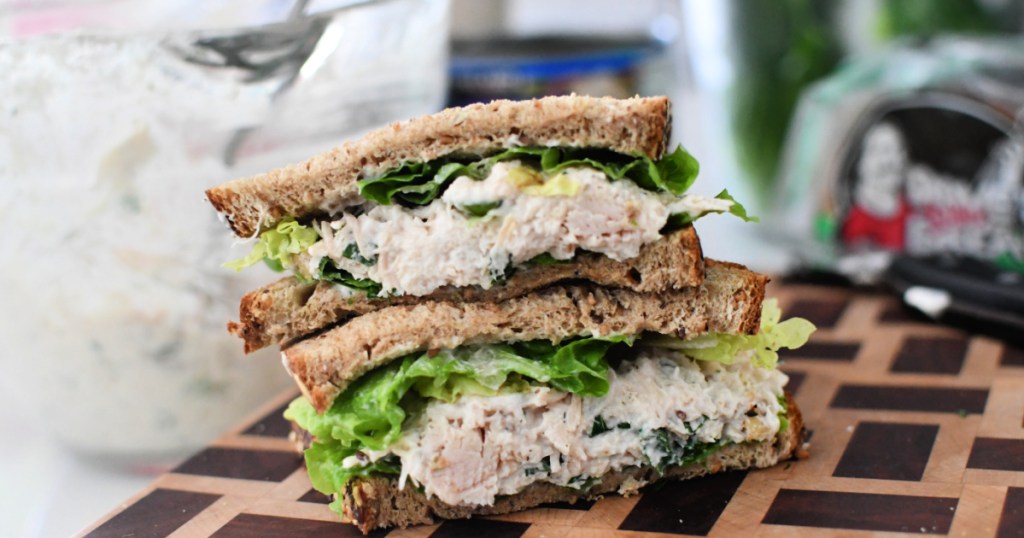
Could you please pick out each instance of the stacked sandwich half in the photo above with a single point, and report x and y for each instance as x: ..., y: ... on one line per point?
x: 504, y: 305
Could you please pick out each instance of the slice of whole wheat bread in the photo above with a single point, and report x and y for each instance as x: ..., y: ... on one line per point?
x: 289, y: 309
x: 376, y: 501
x: 327, y: 182
x: 728, y: 301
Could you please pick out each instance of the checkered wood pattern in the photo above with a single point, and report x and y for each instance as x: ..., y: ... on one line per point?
x: 917, y: 428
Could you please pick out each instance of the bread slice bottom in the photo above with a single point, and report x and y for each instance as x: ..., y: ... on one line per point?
x: 376, y: 501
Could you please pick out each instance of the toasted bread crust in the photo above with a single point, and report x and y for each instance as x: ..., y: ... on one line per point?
x: 327, y: 182
x: 376, y: 501
x: 728, y: 301
x: 289, y: 309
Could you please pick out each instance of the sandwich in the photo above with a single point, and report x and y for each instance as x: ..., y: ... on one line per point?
x: 506, y: 304
x: 486, y: 201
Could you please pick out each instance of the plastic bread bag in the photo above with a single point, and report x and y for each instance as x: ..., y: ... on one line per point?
x: 914, y: 151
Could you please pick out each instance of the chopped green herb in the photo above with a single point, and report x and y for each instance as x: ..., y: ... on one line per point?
x: 480, y: 210
x: 783, y: 413
x: 352, y: 252
x: 331, y: 273
x: 680, y: 451
x: 545, y: 467
x: 583, y: 482
x: 546, y: 259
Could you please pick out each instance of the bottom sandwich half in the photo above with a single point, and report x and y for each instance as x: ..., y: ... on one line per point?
x: 379, y: 500
x: 496, y: 428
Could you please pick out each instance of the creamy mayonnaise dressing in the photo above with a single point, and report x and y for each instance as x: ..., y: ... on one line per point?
x: 470, y: 451
x: 417, y: 250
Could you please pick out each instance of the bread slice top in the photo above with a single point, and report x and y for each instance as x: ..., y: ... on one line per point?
x: 728, y: 301
x: 326, y: 183
x: 289, y: 309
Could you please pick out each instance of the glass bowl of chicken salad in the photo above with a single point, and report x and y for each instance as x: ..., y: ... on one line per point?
x: 113, y: 336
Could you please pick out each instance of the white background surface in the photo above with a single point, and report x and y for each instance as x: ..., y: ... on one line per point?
x: 46, y: 491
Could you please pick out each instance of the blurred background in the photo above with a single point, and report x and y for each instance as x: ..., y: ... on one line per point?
x: 859, y: 130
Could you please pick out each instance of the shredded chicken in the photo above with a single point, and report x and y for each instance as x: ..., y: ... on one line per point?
x: 472, y: 450
x: 417, y: 250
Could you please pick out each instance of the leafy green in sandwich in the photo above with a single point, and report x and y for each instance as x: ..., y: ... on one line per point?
x: 421, y: 183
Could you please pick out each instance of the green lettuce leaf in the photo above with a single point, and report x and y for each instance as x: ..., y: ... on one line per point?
x: 679, y: 220
x: 737, y: 208
x: 278, y: 245
x: 328, y: 475
x: 783, y: 414
x: 764, y: 345
x: 421, y: 183
x: 370, y: 412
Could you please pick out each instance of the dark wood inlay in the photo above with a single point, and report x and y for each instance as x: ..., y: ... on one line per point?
x: 272, y: 425
x: 1012, y: 356
x: 911, y: 398
x: 997, y: 454
x: 824, y: 313
x: 825, y: 351
x: 1011, y: 522
x: 248, y: 525
x: 887, y: 451
x: 684, y: 507
x: 862, y: 511
x: 156, y: 515
x: 489, y: 528
x: 267, y: 465
x: 314, y: 496
x: 900, y: 313
x: 931, y: 356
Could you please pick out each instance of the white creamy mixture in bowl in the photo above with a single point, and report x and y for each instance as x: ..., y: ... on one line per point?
x: 113, y: 332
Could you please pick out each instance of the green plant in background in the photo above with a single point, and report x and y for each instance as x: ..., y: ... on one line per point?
x: 926, y: 18
x: 785, y: 45
x: 782, y: 47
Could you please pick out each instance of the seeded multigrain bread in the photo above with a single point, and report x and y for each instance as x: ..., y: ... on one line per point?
x: 728, y: 301
x: 376, y: 501
x: 327, y: 182
x: 289, y: 309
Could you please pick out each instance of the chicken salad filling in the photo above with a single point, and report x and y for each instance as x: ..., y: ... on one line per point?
x: 661, y: 408
x: 476, y: 224
x: 521, y: 216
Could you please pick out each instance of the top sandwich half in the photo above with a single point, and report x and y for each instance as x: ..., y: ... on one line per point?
x: 469, y: 196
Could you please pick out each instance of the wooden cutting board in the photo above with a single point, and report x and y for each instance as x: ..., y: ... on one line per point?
x: 916, y: 428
